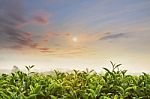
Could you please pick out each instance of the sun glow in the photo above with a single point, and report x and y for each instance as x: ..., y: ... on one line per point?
x: 74, y: 39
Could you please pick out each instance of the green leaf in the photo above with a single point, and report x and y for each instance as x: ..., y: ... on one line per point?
x: 38, y: 89
x: 121, y: 89
x: 31, y: 88
x: 27, y: 68
x: 128, y: 89
x: 98, y: 89
x: 4, y: 95
x: 107, y: 70
x: 111, y: 73
x: 104, y: 97
x: 117, y: 66
x: 53, y: 97
x: 32, y: 66
x: 22, y: 96
x: 92, y: 92
x: 116, y: 97
x: 33, y: 96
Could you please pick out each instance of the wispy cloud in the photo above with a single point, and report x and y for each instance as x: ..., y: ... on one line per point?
x: 38, y: 18
x: 41, y: 19
x: 44, y: 49
x: 51, y: 35
x: 16, y: 47
x: 113, y: 36
x: 13, y: 19
x: 11, y: 15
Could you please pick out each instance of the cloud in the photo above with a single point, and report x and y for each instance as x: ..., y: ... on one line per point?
x: 113, y: 36
x: 39, y: 17
x: 44, y: 49
x: 12, y: 19
x: 49, y: 35
x: 90, y: 37
x: 34, y: 45
x: 12, y: 13
x: 16, y: 47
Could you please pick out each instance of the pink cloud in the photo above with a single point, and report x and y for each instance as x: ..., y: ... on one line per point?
x: 47, y: 36
x: 28, y: 34
x: 20, y: 25
x: 34, y: 45
x: 40, y: 17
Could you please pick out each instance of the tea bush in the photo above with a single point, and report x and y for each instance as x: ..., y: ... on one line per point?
x: 114, y: 84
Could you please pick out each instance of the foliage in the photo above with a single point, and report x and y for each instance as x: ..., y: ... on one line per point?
x: 115, y: 84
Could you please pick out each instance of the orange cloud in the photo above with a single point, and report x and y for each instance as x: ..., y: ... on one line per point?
x: 49, y: 35
x: 34, y: 45
x: 44, y: 49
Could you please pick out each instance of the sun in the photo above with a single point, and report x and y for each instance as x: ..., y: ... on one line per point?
x: 74, y: 39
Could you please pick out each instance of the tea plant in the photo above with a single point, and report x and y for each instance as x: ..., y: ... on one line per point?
x: 113, y: 84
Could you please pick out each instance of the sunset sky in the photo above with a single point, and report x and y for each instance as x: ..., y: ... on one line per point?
x: 75, y: 34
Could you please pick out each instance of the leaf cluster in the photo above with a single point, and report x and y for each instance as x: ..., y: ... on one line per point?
x: 113, y: 84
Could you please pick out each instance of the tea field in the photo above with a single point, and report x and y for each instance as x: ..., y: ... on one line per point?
x: 113, y: 84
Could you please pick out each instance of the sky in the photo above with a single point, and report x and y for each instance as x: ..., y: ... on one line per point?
x: 75, y: 34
